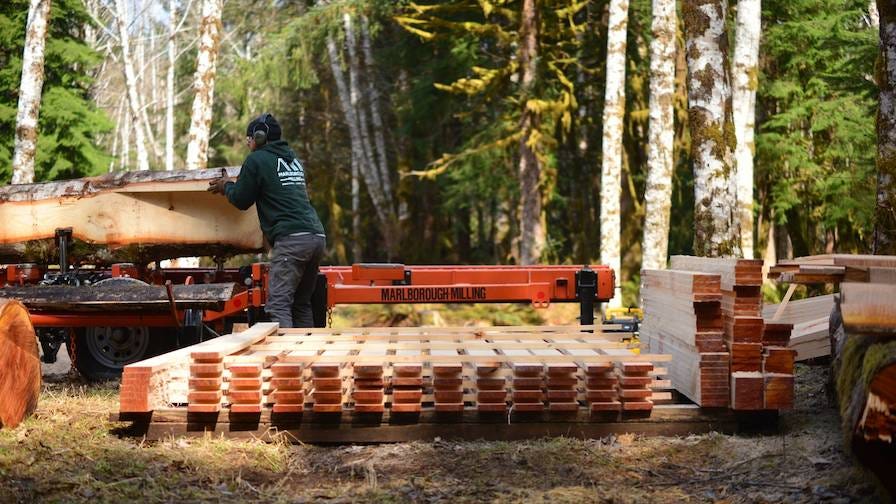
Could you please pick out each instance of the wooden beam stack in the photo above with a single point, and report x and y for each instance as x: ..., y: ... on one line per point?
x: 447, y: 385
x: 682, y: 316
x: 327, y: 387
x: 407, y: 387
x: 244, y: 392
x: 561, y: 386
x: 600, y: 388
x: 528, y: 382
x: 286, y: 389
x: 634, y: 385
x: 744, y: 334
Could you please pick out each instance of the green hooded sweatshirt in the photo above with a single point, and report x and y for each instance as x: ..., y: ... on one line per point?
x: 273, y: 179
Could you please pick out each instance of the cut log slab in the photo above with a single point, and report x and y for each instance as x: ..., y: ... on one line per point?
x: 19, y: 364
x: 121, y: 297
x: 128, y: 217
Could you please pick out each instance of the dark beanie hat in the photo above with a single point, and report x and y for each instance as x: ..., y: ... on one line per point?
x: 265, y: 122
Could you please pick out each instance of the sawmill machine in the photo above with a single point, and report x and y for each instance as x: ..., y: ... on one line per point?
x: 83, y: 257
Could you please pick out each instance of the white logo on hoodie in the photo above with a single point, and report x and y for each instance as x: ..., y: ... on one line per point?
x: 290, y: 173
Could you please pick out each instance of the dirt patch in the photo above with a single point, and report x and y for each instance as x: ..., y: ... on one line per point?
x: 67, y: 453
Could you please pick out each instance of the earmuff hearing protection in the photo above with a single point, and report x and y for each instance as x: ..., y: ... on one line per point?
x: 261, y: 136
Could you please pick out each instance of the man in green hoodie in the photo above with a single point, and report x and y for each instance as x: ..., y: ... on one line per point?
x: 273, y: 179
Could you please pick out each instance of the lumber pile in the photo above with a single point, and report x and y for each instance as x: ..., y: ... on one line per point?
x: 810, y: 320
x: 134, y: 217
x: 513, y: 371
x: 835, y: 268
x: 20, y: 378
x: 864, y: 371
x: 682, y: 317
x: 707, y: 312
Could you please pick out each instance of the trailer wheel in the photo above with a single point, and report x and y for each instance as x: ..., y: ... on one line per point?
x: 100, y: 353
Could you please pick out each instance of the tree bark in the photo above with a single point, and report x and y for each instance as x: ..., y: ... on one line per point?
x: 716, y: 218
x: 204, y: 84
x: 169, y: 87
x: 863, y: 371
x: 30, y: 92
x: 532, y: 232
x: 611, y: 172
x: 885, y: 212
x: 349, y: 91
x: 375, y: 114
x: 661, y: 134
x: 121, y: 18
x: 20, y: 378
x: 745, y: 81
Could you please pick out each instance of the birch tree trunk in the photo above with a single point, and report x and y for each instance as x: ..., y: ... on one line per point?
x: 30, y: 92
x: 359, y: 159
x: 121, y: 18
x: 716, y: 219
x: 375, y: 114
x: 611, y: 172
x: 744, y: 77
x: 885, y: 213
x: 125, y: 160
x: 532, y: 233
x: 356, y: 213
x: 169, y: 87
x: 661, y: 136
x: 204, y: 84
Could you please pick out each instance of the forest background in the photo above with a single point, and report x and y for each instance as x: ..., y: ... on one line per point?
x: 436, y: 97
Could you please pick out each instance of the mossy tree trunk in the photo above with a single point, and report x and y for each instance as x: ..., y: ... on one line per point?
x: 885, y: 213
x: 716, y: 219
x: 532, y: 231
x: 661, y: 134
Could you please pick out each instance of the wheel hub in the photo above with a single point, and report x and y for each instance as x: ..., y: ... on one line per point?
x: 115, y: 347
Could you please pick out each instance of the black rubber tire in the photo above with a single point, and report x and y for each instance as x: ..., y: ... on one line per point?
x: 160, y: 340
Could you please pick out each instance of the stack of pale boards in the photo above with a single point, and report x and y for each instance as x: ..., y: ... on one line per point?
x: 707, y: 313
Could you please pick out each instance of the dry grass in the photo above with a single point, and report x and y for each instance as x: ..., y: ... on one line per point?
x: 67, y: 453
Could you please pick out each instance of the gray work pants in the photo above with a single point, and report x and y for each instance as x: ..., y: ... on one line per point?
x: 295, y: 262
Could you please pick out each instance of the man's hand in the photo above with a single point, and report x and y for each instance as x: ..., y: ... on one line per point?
x: 216, y: 186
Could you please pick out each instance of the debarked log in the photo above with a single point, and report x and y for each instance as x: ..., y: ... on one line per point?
x: 134, y: 217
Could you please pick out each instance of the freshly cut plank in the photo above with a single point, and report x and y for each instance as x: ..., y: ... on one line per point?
x: 733, y: 271
x: 810, y: 319
x: 135, y: 217
x: 20, y: 378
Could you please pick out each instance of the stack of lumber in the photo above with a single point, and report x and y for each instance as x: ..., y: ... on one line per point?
x: 682, y: 316
x: 286, y: 392
x: 634, y: 385
x: 561, y: 386
x: 447, y: 384
x: 327, y: 387
x: 835, y: 268
x: 244, y: 391
x: 388, y: 371
x: 20, y: 378
x: 600, y: 388
x: 407, y: 387
x: 809, y: 319
x: 528, y: 382
x: 679, y: 306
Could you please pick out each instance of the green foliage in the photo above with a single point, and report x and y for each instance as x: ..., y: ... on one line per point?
x: 816, y: 144
x: 70, y: 124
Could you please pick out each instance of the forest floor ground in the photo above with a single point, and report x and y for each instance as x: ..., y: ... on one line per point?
x: 68, y: 452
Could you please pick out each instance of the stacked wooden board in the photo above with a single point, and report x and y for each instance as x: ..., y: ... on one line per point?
x: 752, y: 359
x: 682, y: 317
x: 548, y: 372
x: 810, y: 320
